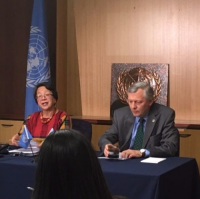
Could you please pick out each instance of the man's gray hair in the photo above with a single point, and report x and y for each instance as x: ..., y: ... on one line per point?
x: 148, y: 90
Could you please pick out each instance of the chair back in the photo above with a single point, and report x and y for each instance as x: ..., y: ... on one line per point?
x: 83, y: 126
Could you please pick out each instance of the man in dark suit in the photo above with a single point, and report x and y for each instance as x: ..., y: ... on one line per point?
x: 160, y: 138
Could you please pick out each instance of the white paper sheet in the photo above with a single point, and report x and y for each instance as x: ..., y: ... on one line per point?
x: 28, y: 150
x: 153, y: 160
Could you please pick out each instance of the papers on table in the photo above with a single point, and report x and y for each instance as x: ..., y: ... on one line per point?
x: 147, y: 160
x: 30, y: 151
x: 26, y: 152
x: 153, y: 160
x: 114, y: 158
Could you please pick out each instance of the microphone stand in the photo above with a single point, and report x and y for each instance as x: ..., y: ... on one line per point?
x: 34, y: 158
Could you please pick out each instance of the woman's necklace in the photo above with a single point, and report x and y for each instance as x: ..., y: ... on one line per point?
x: 46, y: 120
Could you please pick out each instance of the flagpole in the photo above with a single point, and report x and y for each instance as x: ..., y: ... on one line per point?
x: 29, y: 138
x: 32, y: 150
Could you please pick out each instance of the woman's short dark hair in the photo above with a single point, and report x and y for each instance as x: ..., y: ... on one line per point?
x: 68, y: 168
x: 48, y: 86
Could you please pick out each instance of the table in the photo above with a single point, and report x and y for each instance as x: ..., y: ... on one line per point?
x: 171, y: 179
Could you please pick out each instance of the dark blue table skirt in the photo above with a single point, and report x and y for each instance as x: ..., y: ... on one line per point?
x: 16, y: 174
x: 173, y: 178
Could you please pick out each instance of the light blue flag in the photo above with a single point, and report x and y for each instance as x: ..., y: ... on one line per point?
x: 25, y: 138
x: 38, y: 65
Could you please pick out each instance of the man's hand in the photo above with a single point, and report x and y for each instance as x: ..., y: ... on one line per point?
x: 131, y: 154
x: 110, y: 148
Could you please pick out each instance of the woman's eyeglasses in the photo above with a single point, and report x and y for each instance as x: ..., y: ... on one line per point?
x: 46, y: 95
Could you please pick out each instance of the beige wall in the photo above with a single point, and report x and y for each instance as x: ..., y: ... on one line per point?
x: 93, y: 34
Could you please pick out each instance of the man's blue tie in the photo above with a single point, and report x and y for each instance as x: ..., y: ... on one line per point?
x: 139, y: 136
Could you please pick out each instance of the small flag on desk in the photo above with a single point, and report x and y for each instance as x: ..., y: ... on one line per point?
x: 38, y: 64
x: 25, y: 138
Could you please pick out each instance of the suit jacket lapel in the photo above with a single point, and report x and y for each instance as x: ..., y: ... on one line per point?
x: 151, y: 120
x: 128, y: 123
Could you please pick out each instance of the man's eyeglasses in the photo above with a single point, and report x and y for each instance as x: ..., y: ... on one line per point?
x: 46, y: 95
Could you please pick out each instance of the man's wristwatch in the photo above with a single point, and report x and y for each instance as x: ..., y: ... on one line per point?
x: 142, y: 151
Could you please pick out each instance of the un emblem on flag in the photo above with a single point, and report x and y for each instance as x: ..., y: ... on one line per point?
x: 38, y: 69
x: 25, y: 139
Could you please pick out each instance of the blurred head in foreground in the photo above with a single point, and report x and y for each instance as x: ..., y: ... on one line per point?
x: 68, y: 168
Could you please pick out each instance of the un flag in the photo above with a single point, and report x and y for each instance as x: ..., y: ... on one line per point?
x: 38, y: 64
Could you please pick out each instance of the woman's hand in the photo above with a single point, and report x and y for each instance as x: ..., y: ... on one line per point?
x: 40, y: 144
x: 15, y: 139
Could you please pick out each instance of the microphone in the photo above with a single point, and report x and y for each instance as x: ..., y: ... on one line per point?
x: 3, y: 149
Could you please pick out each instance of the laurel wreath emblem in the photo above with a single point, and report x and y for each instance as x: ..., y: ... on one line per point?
x: 34, y: 29
x: 32, y: 83
x: 127, y: 78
